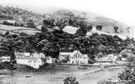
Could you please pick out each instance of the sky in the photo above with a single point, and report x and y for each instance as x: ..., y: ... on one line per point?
x: 119, y: 10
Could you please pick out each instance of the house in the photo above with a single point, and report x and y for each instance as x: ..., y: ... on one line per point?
x: 38, y: 55
x: 5, y: 59
x: 63, y: 56
x: 27, y: 54
x: 30, y: 61
x: 11, y: 21
x: 22, y: 54
x: 124, y: 54
x: 70, y: 29
x: 75, y: 57
x: 50, y: 60
x: 109, y: 59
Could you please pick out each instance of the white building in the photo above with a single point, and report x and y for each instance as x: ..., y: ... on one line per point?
x: 49, y: 60
x: 109, y: 59
x: 5, y: 59
x: 11, y: 21
x: 22, y: 54
x: 124, y: 54
x: 38, y: 55
x: 27, y: 54
x: 70, y: 29
x: 75, y: 57
x: 30, y: 61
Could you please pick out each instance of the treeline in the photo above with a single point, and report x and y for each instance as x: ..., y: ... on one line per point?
x: 51, y: 43
x: 30, y: 23
x: 13, y: 24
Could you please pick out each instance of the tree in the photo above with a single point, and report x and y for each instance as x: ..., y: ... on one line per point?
x: 44, y: 29
x: 49, y: 22
x: 99, y: 27
x: 89, y: 28
x: 116, y: 29
x: 61, y: 26
x: 128, y: 75
x: 30, y: 23
x: 81, y: 32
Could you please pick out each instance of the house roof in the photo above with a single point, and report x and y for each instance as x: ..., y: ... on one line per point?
x: 4, y: 57
x: 85, y: 55
x: 65, y: 53
x: 28, y: 58
x: 70, y: 29
x: 22, y: 54
x: 69, y: 53
x: 38, y: 54
x: 72, y: 53
x: 76, y: 51
x: 110, y: 57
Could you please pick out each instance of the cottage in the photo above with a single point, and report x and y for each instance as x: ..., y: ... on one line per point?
x: 50, y: 60
x: 27, y: 54
x: 70, y: 29
x: 63, y: 56
x: 22, y: 54
x: 5, y: 59
x: 38, y: 55
x: 11, y: 21
x: 30, y: 61
x: 124, y: 54
x: 75, y: 57
x: 109, y: 59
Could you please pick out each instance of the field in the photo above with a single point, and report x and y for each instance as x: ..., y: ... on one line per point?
x: 13, y: 29
x: 56, y: 77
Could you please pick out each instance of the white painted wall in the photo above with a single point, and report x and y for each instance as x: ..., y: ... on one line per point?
x: 32, y: 63
x: 78, y: 58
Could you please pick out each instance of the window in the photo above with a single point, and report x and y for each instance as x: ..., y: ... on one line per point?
x: 75, y: 56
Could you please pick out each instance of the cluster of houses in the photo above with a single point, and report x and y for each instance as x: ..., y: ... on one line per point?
x: 36, y: 59
x: 76, y: 57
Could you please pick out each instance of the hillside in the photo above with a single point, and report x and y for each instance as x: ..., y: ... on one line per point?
x: 17, y: 14
x: 93, y: 20
x: 66, y: 31
x: 17, y: 30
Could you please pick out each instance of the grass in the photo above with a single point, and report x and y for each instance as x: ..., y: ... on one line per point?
x: 14, y: 29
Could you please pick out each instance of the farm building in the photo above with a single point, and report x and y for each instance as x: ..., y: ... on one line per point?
x: 5, y: 59
x: 22, y: 54
x: 27, y: 54
x: 50, y: 60
x: 38, y: 55
x: 75, y: 57
x: 30, y: 61
x: 109, y: 59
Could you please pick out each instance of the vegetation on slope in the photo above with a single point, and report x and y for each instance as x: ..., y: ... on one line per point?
x: 55, y: 41
x: 17, y: 14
